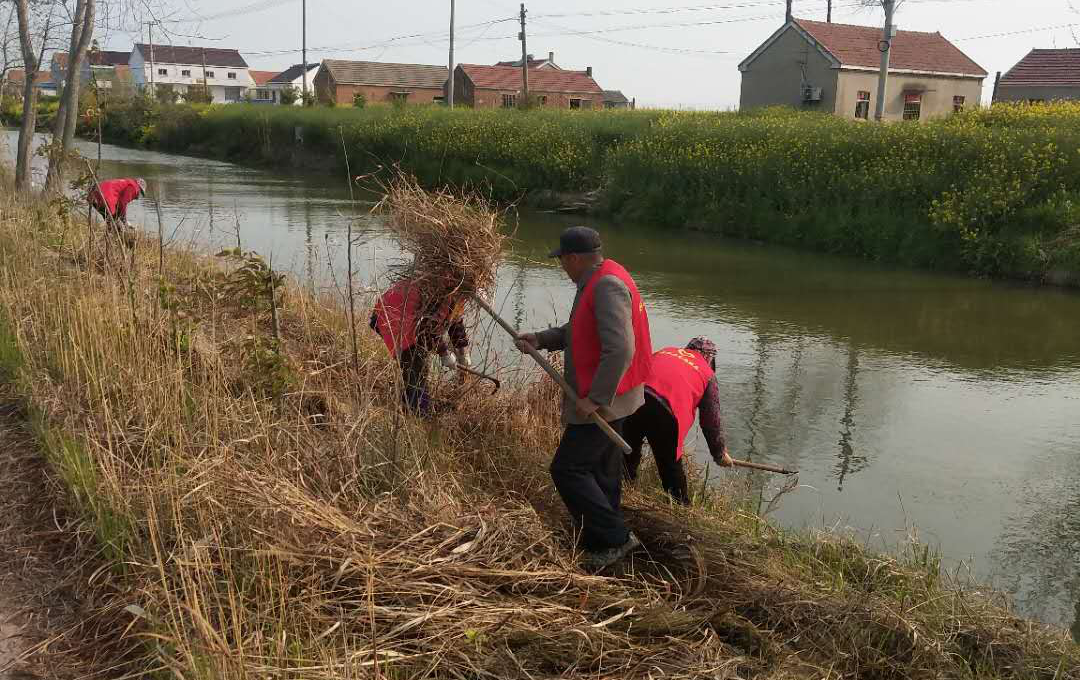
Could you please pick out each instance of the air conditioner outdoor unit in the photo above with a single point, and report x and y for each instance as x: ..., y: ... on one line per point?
x: 811, y: 94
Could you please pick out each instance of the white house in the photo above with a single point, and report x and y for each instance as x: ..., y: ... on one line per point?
x: 293, y: 77
x: 179, y: 68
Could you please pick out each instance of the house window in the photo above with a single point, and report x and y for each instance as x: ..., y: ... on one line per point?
x: 186, y: 73
x: 399, y: 97
x: 575, y: 103
x: 509, y: 101
x: 263, y: 95
x: 232, y: 76
x: 862, y: 105
x: 912, y: 106
x: 209, y: 74
x: 163, y: 71
x: 958, y: 104
x: 232, y: 94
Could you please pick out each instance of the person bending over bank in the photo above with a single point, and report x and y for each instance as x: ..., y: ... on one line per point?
x: 112, y: 197
x: 681, y: 380
x: 412, y: 329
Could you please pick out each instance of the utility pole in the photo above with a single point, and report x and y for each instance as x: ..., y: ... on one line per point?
x: 450, y: 82
x: 828, y: 13
x: 150, y: 36
x: 885, y: 46
x: 303, y: 49
x: 788, y: 15
x: 206, y: 85
x: 524, y: 63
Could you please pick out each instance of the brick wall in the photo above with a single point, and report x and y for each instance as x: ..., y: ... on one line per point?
x: 493, y: 99
x: 383, y: 95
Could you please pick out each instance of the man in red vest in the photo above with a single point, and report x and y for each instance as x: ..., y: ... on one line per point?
x: 412, y: 328
x: 680, y: 382
x: 111, y: 198
x: 607, y: 355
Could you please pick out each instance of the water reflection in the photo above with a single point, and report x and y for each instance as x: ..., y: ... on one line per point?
x: 850, y: 462
x: 903, y: 398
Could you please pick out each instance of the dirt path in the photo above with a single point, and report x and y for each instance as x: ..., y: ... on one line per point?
x: 41, y: 563
x: 11, y: 645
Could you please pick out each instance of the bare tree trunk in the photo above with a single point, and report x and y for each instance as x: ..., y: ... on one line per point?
x: 29, y: 118
x: 82, y: 32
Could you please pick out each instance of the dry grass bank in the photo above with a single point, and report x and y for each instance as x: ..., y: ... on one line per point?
x: 267, y: 510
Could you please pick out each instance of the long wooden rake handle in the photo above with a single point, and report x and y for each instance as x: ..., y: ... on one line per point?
x: 766, y: 468
x: 556, y: 376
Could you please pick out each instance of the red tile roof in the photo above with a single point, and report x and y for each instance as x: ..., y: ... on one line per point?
x: 262, y: 77
x: 911, y: 50
x: 540, y: 80
x: 1046, y: 68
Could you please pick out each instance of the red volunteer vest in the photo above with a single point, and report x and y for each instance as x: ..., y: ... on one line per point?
x: 114, y: 194
x: 680, y: 376
x: 397, y: 315
x: 585, y: 339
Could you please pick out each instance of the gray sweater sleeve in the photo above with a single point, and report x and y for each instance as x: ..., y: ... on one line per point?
x: 616, y: 331
x: 553, y: 339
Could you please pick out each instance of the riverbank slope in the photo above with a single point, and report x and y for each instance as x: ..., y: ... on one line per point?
x: 266, y: 509
x: 990, y: 192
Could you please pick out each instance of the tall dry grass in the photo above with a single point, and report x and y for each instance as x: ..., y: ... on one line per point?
x: 269, y: 512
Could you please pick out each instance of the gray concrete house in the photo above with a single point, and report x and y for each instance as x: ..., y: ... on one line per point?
x: 834, y: 68
x: 1041, y: 76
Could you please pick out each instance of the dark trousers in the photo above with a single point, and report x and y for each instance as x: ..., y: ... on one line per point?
x: 654, y: 422
x: 587, y: 471
x: 414, y: 373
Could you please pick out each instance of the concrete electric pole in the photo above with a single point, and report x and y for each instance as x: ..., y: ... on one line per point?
x: 885, y: 46
x: 524, y: 63
x: 450, y: 81
x: 303, y: 50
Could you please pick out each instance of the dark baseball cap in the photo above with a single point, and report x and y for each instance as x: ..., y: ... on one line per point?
x: 577, y: 240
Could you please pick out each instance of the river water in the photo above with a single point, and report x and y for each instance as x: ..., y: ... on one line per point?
x: 910, y: 402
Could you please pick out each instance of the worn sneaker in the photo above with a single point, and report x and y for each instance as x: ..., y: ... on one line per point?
x: 602, y: 559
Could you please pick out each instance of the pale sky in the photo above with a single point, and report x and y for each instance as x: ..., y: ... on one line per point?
x: 632, y: 45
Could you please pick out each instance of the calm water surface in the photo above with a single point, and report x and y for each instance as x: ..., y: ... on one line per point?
x: 907, y: 400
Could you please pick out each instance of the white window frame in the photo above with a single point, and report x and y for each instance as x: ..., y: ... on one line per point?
x: 186, y: 72
x: 231, y: 76
x: 163, y: 71
x: 509, y: 101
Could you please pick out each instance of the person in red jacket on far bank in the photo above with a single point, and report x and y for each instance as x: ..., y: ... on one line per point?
x: 111, y: 198
x: 607, y: 350
x: 680, y: 381
x: 412, y: 328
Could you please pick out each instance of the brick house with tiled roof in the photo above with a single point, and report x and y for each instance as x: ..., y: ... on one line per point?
x: 834, y: 68
x: 500, y: 87
x: 340, y: 81
x: 1042, y: 75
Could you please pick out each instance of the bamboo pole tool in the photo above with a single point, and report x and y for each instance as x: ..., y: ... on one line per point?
x: 556, y: 376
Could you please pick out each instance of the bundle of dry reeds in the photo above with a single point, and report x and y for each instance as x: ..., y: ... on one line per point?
x: 455, y: 240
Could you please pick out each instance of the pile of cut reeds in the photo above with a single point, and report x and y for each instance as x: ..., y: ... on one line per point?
x: 455, y: 240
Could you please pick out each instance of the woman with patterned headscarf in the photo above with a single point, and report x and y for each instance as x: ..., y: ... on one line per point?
x: 681, y: 380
